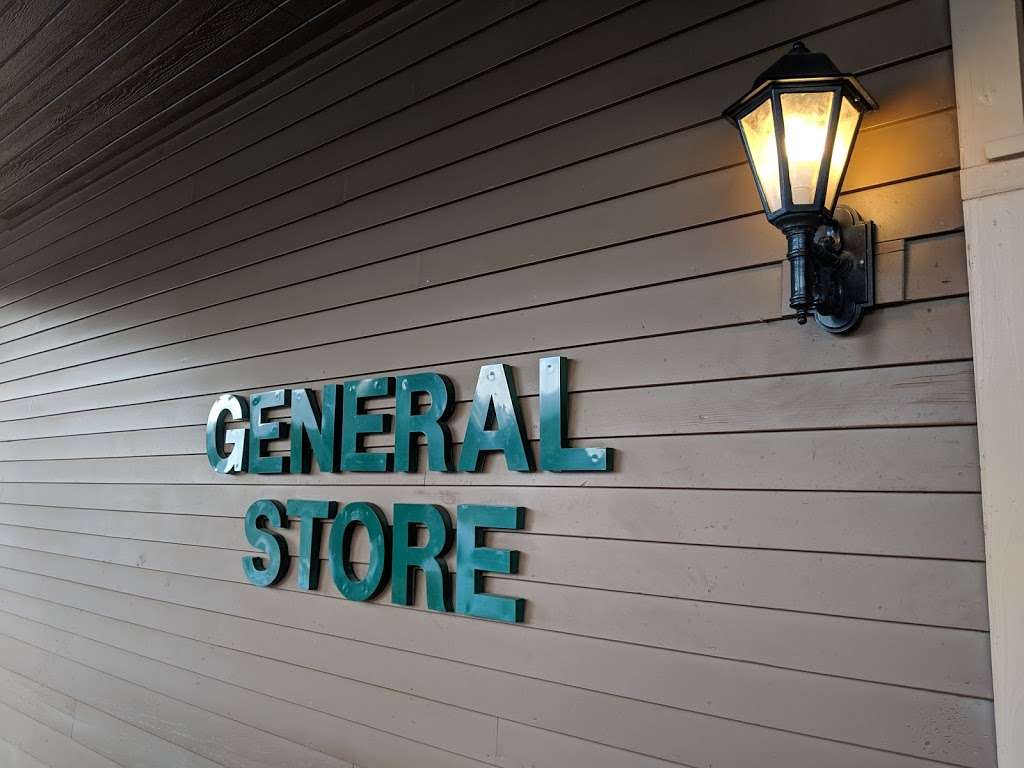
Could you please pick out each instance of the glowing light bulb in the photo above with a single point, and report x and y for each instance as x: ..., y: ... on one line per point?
x: 805, y: 118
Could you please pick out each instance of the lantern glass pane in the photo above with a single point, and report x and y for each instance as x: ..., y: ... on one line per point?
x: 805, y: 118
x: 849, y: 118
x: 759, y: 133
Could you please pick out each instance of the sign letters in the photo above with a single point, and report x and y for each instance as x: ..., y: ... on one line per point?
x: 329, y: 430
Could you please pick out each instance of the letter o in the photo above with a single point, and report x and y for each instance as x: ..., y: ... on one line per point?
x: 340, y: 543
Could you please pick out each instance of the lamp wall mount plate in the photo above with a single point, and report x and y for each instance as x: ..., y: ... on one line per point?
x: 845, y: 270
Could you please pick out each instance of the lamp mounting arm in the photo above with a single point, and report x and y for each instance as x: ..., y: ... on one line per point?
x: 831, y: 267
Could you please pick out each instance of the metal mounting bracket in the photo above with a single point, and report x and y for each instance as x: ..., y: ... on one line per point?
x: 844, y: 271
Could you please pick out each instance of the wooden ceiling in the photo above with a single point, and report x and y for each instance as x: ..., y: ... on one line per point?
x: 84, y: 83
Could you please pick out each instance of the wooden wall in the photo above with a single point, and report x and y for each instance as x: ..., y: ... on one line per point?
x: 786, y: 567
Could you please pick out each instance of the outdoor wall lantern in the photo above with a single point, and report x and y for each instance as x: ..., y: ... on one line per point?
x: 798, y: 125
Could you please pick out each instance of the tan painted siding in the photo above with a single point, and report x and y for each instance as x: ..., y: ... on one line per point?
x: 784, y: 569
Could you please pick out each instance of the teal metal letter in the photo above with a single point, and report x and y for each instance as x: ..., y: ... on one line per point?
x: 429, y: 423
x: 495, y: 396
x: 259, y: 571
x: 217, y: 435
x: 472, y: 560
x: 555, y: 455
x: 355, y: 423
x: 340, y: 547
x: 406, y: 557
x: 261, y: 431
x: 311, y: 432
x: 310, y: 514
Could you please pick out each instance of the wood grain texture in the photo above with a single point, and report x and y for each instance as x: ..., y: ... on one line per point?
x: 50, y: 41
x: 44, y: 744
x: 786, y: 566
x: 231, y: 743
x: 911, y: 655
x: 915, y: 333
x: 686, y: 732
x: 92, y: 728
x: 15, y: 757
x: 596, y: 133
x: 86, y: 75
x: 987, y: 45
x: 909, y: 525
x: 800, y: 582
x: 156, y: 176
x: 992, y: 225
x: 205, y: 306
x: 380, y: 101
x: 380, y: 22
x: 818, y: 710
x: 870, y: 398
x: 361, y: 30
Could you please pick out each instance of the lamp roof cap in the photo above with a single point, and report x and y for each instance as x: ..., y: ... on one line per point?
x: 798, y: 66
x: 799, y: 63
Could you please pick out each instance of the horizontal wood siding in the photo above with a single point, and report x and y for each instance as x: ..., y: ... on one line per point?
x: 786, y: 567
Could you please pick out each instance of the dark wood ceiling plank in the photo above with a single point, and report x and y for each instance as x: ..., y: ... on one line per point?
x: 43, y: 133
x: 330, y: 16
x: 204, y: 53
x: 196, y: 73
x: 307, y: 9
x: 72, y: 75
x: 21, y: 19
x: 72, y: 23
x: 344, y: 19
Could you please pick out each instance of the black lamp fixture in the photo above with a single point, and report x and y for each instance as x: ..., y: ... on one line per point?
x: 798, y: 124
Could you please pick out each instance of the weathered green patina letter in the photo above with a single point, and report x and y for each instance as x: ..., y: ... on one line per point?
x: 495, y: 397
x: 310, y: 430
x: 472, y: 560
x: 259, y: 571
x: 355, y: 423
x: 310, y: 514
x: 340, y: 546
x: 261, y: 431
x: 406, y: 557
x: 429, y: 423
x: 555, y: 455
x: 217, y: 435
